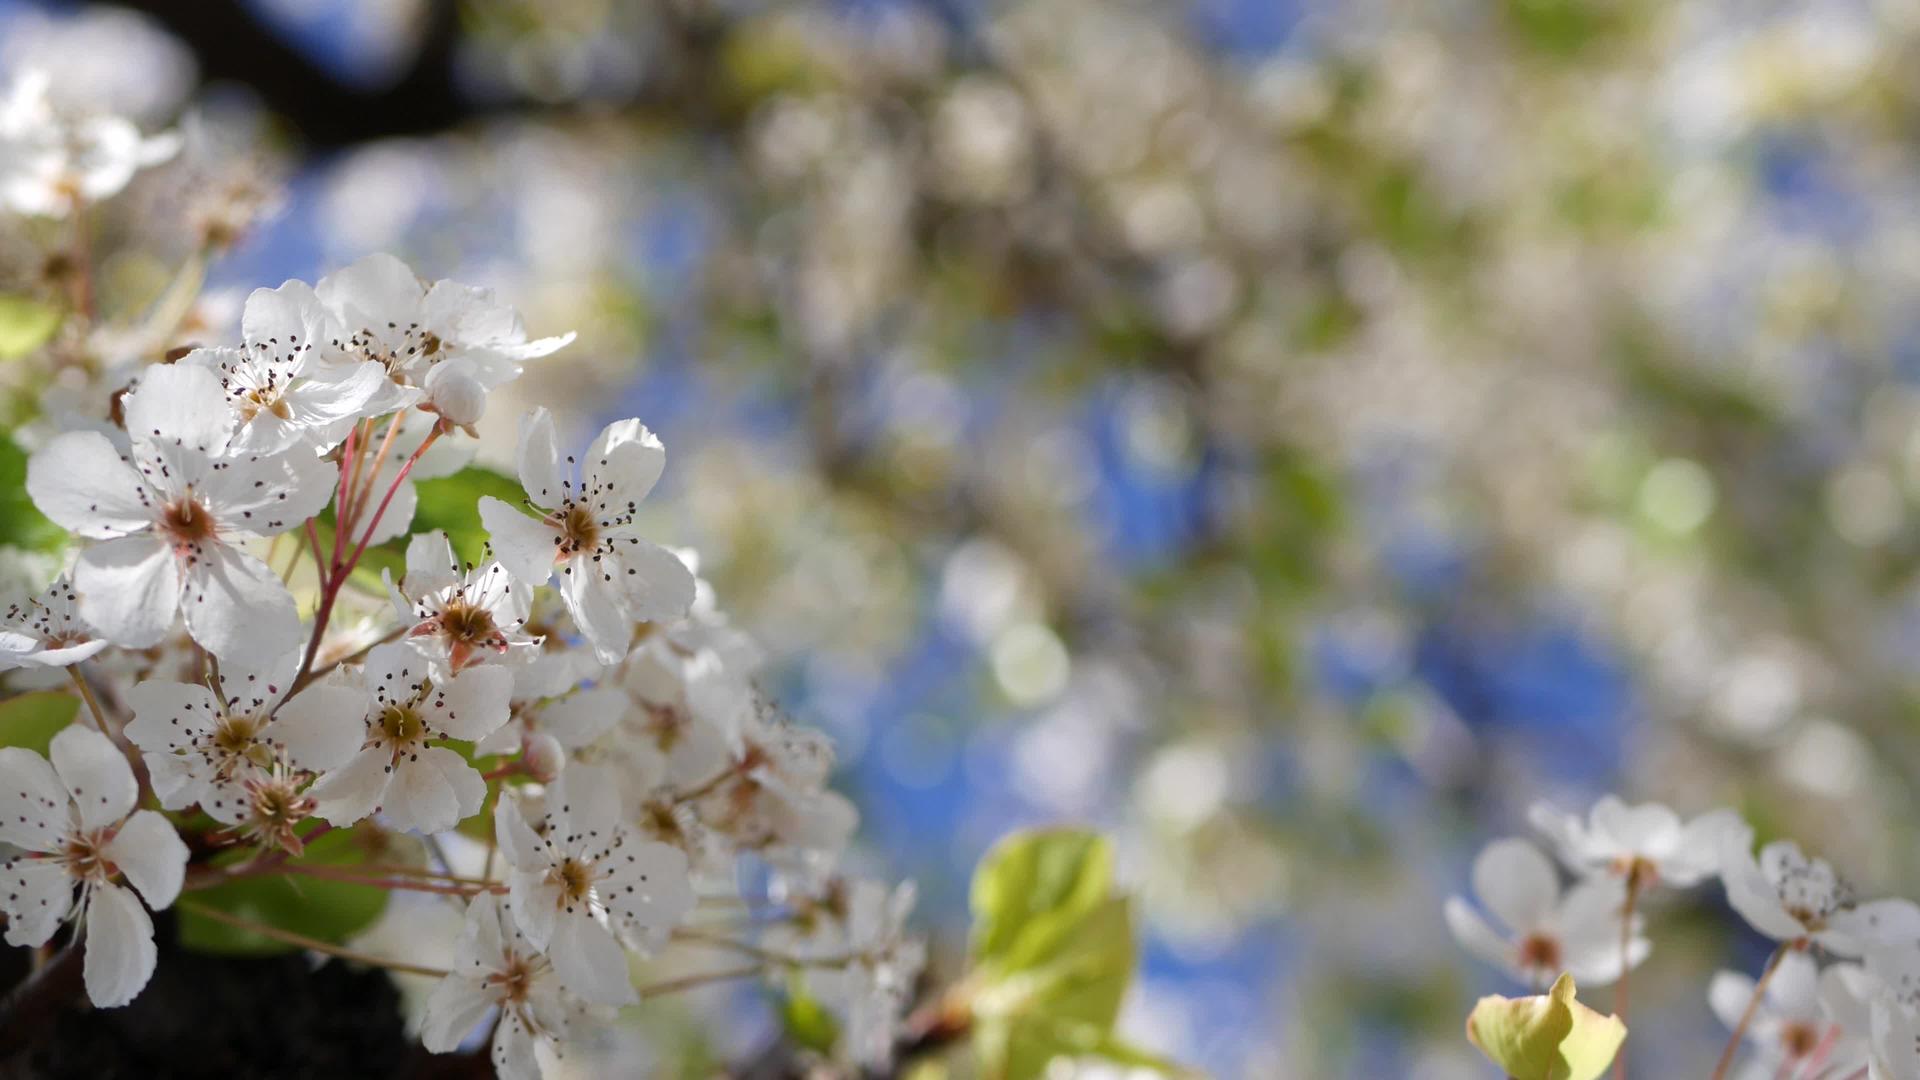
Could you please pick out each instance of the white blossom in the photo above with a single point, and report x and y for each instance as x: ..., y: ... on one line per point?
x: 1648, y: 841
x: 1792, y: 1027
x: 80, y: 838
x: 399, y: 769
x: 875, y: 985
x: 610, y: 577
x: 172, y: 515
x: 51, y: 163
x: 47, y: 631
x: 495, y: 967
x: 458, y: 618
x: 586, y: 875
x: 1790, y: 897
x: 1545, y: 931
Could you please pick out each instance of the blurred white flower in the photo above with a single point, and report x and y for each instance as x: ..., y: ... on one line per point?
x: 1546, y: 932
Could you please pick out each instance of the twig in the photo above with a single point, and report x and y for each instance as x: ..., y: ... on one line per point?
x: 306, y: 942
x: 1753, y: 1005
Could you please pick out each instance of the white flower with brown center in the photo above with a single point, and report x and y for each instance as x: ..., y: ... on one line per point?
x: 291, y: 382
x: 1545, y: 931
x: 52, y: 161
x: 1793, y: 1027
x: 228, y: 753
x: 586, y: 875
x: 170, y: 518
x: 460, y: 617
x: 610, y: 577
x: 47, y: 631
x: 401, y: 769
x: 80, y: 838
x: 1646, y: 844
x: 496, y: 967
x: 1792, y: 898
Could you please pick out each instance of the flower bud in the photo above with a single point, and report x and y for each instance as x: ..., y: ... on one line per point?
x: 1545, y: 1037
x: 457, y: 398
x: 543, y: 756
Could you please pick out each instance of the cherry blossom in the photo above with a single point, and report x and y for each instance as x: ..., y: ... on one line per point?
x: 1546, y: 932
x: 1792, y: 1027
x: 399, y: 768
x: 610, y: 577
x: 586, y: 875
x: 291, y: 382
x: 495, y: 967
x: 80, y: 837
x: 172, y: 515
x: 458, y: 618
x: 46, y: 631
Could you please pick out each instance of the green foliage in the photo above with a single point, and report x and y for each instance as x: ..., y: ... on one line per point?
x: 1053, y: 950
x: 452, y: 503
x: 32, y: 720
x: 1548, y: 1036
x: 316, y: 907
x: 807, y: 1022
x: 21, y: 523
x: 25, y: 325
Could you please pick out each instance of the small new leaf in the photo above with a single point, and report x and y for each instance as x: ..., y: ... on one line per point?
x: 1547, y: 1036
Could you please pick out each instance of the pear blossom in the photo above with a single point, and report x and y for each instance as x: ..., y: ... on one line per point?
x: 1647, y: 843
x: 1792, y: 1027
x: 1546, y: 932
x: 458, y: 618
x: 46, y: 631
x: 774, y: 794
x: 586, y: 875
x: 442, y: 345
x: 1791, y: 898
x: 172, y: 515
x: 495, y: 967
x: 80, y: 837
x: 51, y: 163
x: 875, y: 984
x: 220, y: 752
x: 397, y: 769
x: 572, y: 721
x: 610, y: 577
x: 291, y: 382
x: 684, y: 711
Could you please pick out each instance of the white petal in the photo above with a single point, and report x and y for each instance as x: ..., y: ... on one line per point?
x: 1750, y: 893
x: 523, y: 848
x: 454, y: 1010
x: 174, y: 780
x: 167, y: 715
x: 261, y: 495
x: 96, y: 774
x: 36, y: 894
x: 1877, y: 924
x: 583, y: 717
x: 471, y: 705
x: 590, y: 962
x: 583, y: 803
x: 81, y: 482
x: 514, y: 1050
x: 152, y: 855
x: 1697, y: 856
x: 1794, y: 993
x: 535, y: 904
x: 598, y: 607
x: 469, y: 789
x: 373, y: 292
x: 120, y: 952
x: 352, y: 791
x: 35, y: 810
x: 649, y: 885
x: 1648, y: 829
x: 537, y: 459
x: 480, y: 944
x: 523, y: 545
x: 1475, y: 936
x: 659, y: 586
x: 129, y: 589
x: 180, y: 405
x: 238, y: 609
x: 1728, y: 995
x: 322, y: 726
x: 624, y: 463
x: 419, y: 797
x: 430, y: 564
x: 1516, y: 883
x: 397, y: 518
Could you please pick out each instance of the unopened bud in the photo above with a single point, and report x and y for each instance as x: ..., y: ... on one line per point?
x: 543, y: 756
x: 458, y: 399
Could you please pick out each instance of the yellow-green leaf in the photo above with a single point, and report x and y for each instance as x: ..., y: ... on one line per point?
x: 1547, y: 1036
x: 25, y: 325
x: 32, y: 720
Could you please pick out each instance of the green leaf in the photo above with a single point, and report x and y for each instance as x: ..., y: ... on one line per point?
x: 32, y: 720
x: 1029, y: 890
x: 317, y: 907
x: 1548, y: 1036
x: 452, y: 503
x: 25, y: 325
x: 807, y: 1022
x: 22, y: 525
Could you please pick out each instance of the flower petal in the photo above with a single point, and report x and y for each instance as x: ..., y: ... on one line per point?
x: 583, y: 717
x: 623, y: 464
x: 419, y: 797
x: 454, y: 1010
x: 524, y: 546
x: 598, y: 607
x: 129, y: 589
x: 120, y: 951
x: 238, y: 609
x: 1516, y: 883
x: 35, y: 810
x: 81, y: 482
x: 152, y: 855
x: 649, y: 885
x: 659, y: 587
x: 322, y: 726
x: 179, y: 405
x: 584, y: 803
x: 36, y: 895
x: 472, y: 704
x: 351, y: 792
x: 168, y: 715
x: 96, y: 774
x: 590, y: 962
x: 537, y: 459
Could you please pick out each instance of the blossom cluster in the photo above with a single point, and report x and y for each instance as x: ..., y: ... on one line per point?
x: 1839, y: 997
x: 575, y: 697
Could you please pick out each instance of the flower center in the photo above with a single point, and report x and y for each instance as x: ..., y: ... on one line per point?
x: 233, y: 736
x: 402, y: 725
x: 575, y: 878
x: 264, y: 399
x: 274, y: 807
x: 1540, y: 951
x: 1799, y: 1039
x: 186, y: 523
x: 514, y: 981
x: 84, y: 855
x: 466, y: 624
x: 578, y: 530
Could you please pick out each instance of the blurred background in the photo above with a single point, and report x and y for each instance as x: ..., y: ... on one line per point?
x: 1290, y: 435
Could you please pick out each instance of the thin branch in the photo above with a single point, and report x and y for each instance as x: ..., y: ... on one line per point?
x: 306, y: 942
